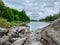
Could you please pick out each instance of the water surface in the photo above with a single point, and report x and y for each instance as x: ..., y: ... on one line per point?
x: 37, y: 25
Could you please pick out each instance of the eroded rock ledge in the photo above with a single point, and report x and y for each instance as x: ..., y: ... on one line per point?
x: 50, y: 35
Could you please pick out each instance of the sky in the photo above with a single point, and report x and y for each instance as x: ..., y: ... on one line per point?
x: 35, y: 9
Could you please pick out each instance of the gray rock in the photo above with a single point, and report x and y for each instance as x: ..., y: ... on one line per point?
x: 18, y: 29
x: 19, y: 42
x: 14, y: 39
x: 4, y: 39
x: 7, y: 43
x: 13, y: 34
x: 51, y: 33
x: 3, y: 31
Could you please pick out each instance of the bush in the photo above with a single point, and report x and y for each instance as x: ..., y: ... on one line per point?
x: 4, y: 23
x: 13, y: 24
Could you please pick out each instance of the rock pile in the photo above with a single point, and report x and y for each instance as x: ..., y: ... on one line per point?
x: 16, y: 35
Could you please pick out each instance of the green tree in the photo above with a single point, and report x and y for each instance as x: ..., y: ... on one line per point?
x: 1, y: 8
x: 16, y: 17
x: 12, y: 14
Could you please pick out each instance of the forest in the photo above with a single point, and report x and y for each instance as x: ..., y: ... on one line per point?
x: 12, y: 14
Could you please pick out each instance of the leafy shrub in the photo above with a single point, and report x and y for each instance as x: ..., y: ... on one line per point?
x: 13, y: 24
x: 4, y: 23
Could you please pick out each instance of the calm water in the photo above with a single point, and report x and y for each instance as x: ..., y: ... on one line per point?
x: 37, y: 25
x: 35, y: 9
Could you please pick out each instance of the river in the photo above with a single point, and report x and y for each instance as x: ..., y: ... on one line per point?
x: 37, y: 25
x: 35, y: 9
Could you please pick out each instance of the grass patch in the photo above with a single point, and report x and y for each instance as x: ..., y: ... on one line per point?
x: 5, y: 24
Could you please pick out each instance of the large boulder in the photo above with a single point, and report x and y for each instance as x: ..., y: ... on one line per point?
x: 18, y: 31
x: 7, y: 43
x: 3, y: 39
x: 3, y: 31
x: 50, y: 35
x: 19, y: 41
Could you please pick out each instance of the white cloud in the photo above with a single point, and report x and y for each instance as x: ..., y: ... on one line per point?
x: 35, y: 8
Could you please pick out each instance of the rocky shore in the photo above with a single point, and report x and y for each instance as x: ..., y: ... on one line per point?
x: 50, y: 35
x: 16, y: 35
x: 21, y: 35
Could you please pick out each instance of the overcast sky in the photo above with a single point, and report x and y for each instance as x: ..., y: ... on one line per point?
x: 36, y: 9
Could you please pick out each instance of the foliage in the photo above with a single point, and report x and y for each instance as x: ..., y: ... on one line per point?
x: 51, y: 17
x: 13, y: 23
x: 10, y: 17
x: 4, y: 23
x: 12, y: 14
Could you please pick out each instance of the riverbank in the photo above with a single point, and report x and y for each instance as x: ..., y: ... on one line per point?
x: 5, y: 24
x: 21, y: 35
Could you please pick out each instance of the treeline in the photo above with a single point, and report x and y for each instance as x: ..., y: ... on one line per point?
x: 51, y: 17
x: 12, y: 14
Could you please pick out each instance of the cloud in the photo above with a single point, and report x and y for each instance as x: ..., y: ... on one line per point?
x: 35, y: 8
